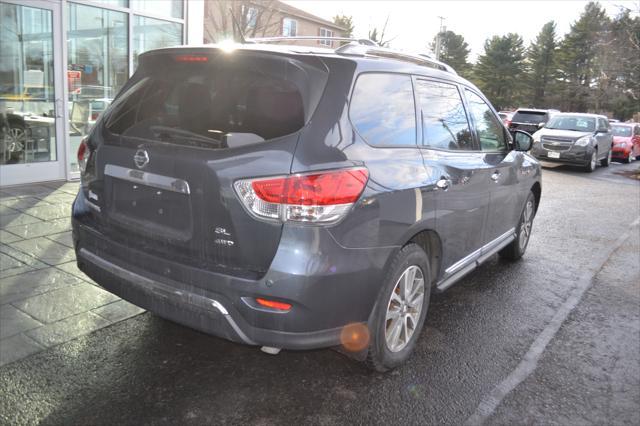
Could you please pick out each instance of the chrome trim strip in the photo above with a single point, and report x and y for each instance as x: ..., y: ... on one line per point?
x: 164, y: 290
x: 462, y: 262
x: 94, y: 206
x: 149, y: 179
x: 471, y: 261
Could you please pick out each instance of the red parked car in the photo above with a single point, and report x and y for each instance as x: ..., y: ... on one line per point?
x: 626, y: 141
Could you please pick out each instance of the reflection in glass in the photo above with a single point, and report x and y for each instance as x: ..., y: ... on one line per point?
x: 149, y: 33
x: 444, y: 122
x: 27, y: 99
x: 383, y: 111
x: 97, y: 64
x: 490, y: 130
x: 170, y: 8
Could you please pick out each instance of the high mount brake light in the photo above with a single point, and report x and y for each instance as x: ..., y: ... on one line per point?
x: 191, y: 58
x: 320, y: 198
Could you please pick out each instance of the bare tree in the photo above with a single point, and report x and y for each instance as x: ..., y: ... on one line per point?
x: 254, y: 19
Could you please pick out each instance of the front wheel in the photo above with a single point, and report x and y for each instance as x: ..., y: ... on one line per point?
x: 400, y: 310
x: 516, y: 249
x: 591, y: 165
x: 630, y: 157
x: 607, y: 160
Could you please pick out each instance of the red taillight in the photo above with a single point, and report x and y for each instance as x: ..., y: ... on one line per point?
x: 507, y: 123
x: 83, y: 155
x: 280, y: 306
x: 323, y: 189
x: 191, y: 58
x: 94, y: 116
x: 316, y: 197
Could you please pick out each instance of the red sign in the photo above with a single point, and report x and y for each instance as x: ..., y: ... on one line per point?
x: 74, y: 81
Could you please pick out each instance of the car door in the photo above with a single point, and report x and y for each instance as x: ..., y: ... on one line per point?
x: 498, y: 172
x: 452, y: 161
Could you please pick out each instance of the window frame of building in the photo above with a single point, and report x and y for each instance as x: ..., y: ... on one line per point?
x: 327, y: 33
x: 289, y: 21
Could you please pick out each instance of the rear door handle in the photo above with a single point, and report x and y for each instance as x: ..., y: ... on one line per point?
x: 495, y: 176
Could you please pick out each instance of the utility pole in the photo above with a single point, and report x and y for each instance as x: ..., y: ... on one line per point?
x: 439, y: 37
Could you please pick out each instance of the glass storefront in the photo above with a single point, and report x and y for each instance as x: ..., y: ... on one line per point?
x: 101, y: 54
x: 27, y: 98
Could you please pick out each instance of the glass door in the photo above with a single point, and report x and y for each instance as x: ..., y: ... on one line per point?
x: 32, y: 142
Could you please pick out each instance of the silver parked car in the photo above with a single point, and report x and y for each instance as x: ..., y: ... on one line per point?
x: 575, y: 139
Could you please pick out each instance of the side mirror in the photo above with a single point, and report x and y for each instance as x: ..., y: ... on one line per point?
x: 522, y: 140
x: 541, y: 125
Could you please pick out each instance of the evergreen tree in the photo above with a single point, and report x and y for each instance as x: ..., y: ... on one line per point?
x: 500, y: 71
x: 578, y: 58
x: 345, y: 22
x: 541, y: 58
x: 454, y: 51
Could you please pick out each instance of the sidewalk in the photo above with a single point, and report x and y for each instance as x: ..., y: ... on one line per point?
x: 44, y: 299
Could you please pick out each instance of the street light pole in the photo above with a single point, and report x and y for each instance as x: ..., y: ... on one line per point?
x: 439, y: 37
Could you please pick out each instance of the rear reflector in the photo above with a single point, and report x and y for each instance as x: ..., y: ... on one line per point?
x: 191, y: 58
x: 280, y: 306
x: 316, y: 197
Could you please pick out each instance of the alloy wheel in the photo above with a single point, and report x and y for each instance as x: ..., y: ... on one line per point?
x: 404, y: 308
x: 525, y: 226
x: 16, y: 140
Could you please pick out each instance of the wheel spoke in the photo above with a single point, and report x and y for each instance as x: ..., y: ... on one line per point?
x: 394, y: 332
x: 393, y: 313
x: 416, y: 302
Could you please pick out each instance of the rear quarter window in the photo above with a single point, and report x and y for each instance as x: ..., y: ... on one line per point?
x: 382, y: 109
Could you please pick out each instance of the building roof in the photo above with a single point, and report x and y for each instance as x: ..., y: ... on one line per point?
x: 294, y: 11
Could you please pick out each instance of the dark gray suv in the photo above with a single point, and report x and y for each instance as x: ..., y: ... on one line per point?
x: 299, y: 198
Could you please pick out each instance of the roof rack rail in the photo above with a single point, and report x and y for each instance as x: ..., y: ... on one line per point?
x: 361, y: 41
x: 381, y: 52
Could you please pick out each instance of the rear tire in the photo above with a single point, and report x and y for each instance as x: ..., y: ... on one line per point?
x: 607, y: 160
x: 400, y: 310
x: 517, y: 247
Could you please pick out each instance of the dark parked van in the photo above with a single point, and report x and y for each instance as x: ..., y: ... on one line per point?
x: 298, y: 198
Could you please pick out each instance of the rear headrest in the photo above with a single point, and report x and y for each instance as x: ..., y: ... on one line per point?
x: 273, y: 111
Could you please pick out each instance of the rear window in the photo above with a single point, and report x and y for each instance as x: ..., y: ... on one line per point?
x: 624, y: 131
x: 217, y: 100
x: 531, y: 117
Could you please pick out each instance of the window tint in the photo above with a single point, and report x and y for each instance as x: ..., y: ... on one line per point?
x: 624, y: 131
x: 444, y: 122
x: 215, y: 103
x: 490, y: 131
x: 383, y: 111
x: 530, y: 117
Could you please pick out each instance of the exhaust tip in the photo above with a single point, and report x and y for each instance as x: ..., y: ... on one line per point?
x: 270, y: 350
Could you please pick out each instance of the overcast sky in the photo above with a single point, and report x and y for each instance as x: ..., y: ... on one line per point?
x: 415, y: 23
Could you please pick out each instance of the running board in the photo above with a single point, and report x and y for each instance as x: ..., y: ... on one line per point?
x: 471, y: 262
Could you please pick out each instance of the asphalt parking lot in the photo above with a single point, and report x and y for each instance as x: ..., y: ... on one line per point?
x: 551, y: 339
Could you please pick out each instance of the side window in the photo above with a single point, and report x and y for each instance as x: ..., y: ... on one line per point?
x: 444, y: 122
x: 490, y: 131
x: 382, y: 109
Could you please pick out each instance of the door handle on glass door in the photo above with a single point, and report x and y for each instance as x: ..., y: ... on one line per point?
x: 443, y: 183
x: 495, y: 176
x: 59, y: 108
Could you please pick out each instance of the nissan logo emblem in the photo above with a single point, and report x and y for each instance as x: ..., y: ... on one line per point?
x: 141, y: 158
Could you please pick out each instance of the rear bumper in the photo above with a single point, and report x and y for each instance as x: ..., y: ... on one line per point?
x: 623, y: 153
x: 329, y: 286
